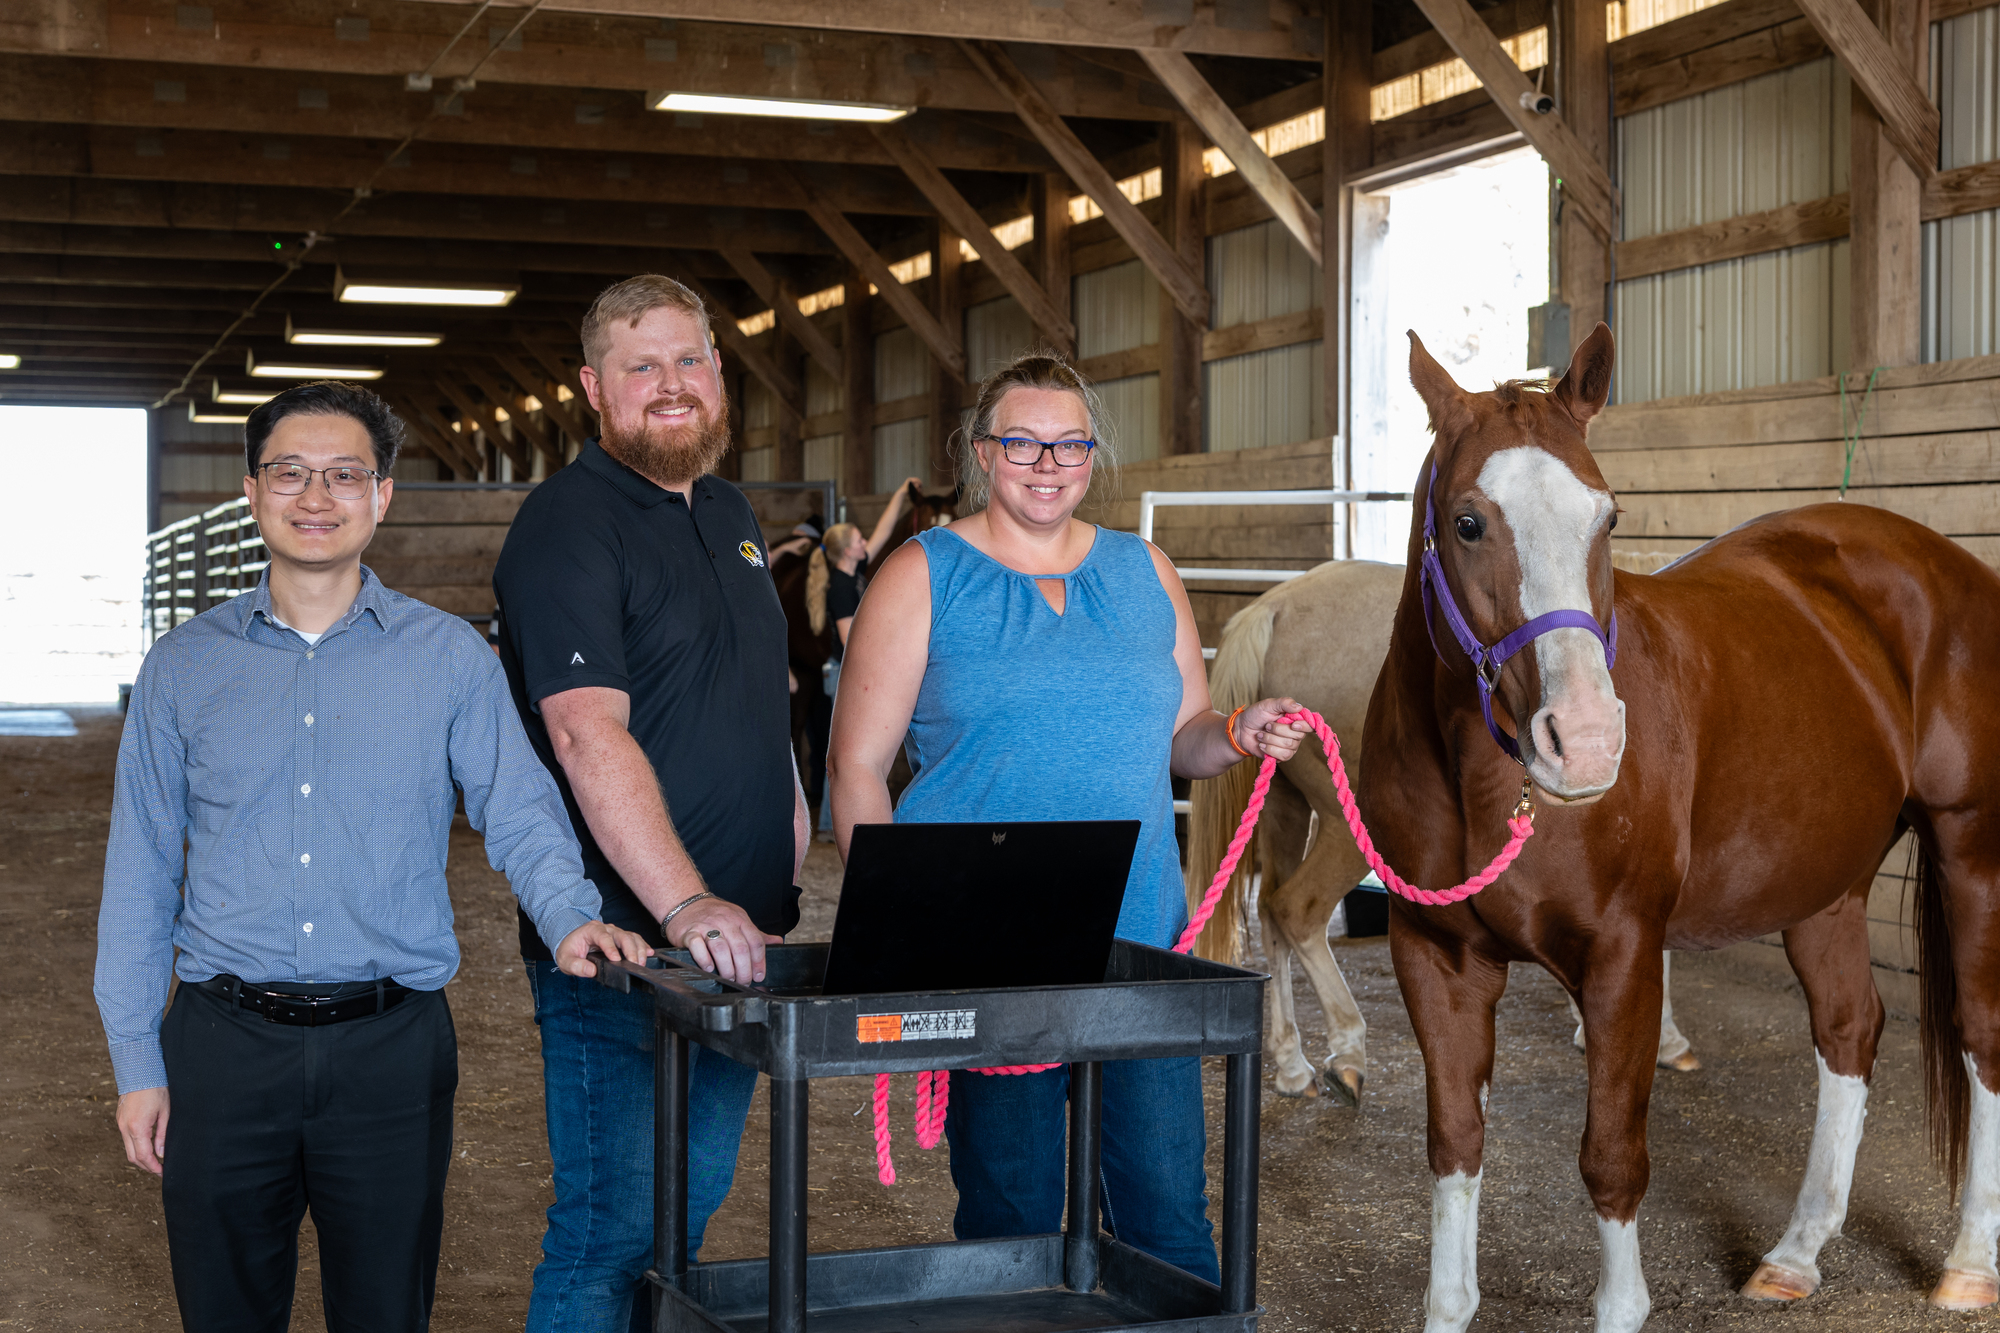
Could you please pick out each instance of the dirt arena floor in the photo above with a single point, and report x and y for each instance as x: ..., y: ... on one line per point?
x: 1346, y: 1196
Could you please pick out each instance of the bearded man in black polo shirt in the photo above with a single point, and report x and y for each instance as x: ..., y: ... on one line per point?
x: 645, y: 646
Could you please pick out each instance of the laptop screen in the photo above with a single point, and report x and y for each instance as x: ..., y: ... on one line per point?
x: 933, y: 907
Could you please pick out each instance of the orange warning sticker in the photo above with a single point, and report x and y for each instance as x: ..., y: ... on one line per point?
x: 878, y: 1027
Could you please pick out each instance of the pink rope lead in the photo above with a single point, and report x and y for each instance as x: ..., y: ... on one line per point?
x: 932, y: 1085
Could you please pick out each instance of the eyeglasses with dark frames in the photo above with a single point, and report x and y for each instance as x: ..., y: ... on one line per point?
x: 1026, y: 453
x: 342, y: 483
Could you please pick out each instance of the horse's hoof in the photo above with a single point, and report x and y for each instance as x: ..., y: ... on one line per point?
x: 1686, y: 1062
x: 1772, y: 1283
x: 1960, y: 1290
x: 1301, y: 1086
x: 1343, y: 1084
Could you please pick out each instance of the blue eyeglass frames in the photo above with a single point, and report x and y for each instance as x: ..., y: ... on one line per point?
x: 1027, y: 453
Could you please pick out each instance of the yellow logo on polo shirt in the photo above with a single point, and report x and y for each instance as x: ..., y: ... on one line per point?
x: 752, y: 554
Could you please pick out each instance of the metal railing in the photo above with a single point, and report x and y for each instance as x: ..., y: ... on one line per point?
x: 1150, y: 500
x: 200, y: 562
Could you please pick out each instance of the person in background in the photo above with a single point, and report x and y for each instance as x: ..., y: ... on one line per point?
x: 286, y: 784
x: 1043, y: 668
x: 644, y: 642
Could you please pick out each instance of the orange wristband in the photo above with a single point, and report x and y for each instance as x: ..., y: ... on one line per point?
x: 1229, y: 733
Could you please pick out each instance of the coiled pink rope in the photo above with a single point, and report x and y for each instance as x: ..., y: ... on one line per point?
x: 933, y: 1085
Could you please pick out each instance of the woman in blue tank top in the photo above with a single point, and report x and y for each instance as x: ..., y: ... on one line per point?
x: 1039, y: 668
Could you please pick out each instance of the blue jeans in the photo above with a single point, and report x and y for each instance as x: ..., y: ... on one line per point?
x: 597, y: 1085
x: 1009, y: 1148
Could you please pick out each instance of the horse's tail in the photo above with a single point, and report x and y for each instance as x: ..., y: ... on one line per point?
x: 816, y: 580
x: 1216, y: 805
x: 1947, y: 1094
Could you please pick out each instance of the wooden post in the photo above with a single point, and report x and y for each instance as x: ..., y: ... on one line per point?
x: 1886, y: 252
x: 1180, y: 337
x: 1347, y: 150
x: 1583, y: 93
x: 789, y: 462
x: 947, y: 303
x: 857, y: 353
x: 1049, y: 199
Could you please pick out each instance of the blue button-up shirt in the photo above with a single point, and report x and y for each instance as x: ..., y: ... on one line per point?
x: 312, y: 788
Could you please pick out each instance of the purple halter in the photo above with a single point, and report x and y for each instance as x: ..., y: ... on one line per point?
x: 1487, y: 662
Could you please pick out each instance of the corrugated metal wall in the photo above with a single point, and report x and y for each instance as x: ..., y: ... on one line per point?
x: 1274, y: 397
x: 995, y: 333
x: 1133, y: 405
x: 1961, y: 314
x: 1778, y: 139
x: 1259, y: 271
x: 902, y: 449
x: 1115, y: 309
x: 822, y: 459
x: 760, y: 405
x: 824, y: 391
x: 760, y: 464
x: 902, y: 365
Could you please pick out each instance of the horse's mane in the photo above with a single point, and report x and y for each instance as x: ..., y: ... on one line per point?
x: 1510, y: 391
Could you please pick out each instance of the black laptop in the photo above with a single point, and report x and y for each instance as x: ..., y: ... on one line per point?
x: 933, y: 907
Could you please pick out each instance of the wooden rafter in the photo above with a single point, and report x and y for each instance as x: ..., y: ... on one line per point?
x: 751, y: 269
x: 1183, y: 284
x: 943, y: 345
x: 964, y: 219
x: 1585, y: 182
x: 561, y: 372
x: 531, y: 383
x: 524, y: 423
x: 443, y: 444
x: 482, y: 416
x: 1226, y: 132
x: 782, y: 386
x: 1908, y: 116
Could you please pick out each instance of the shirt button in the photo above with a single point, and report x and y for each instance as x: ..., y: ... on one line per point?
x: 306, y: 790
x: 309, y: 719
x: 309, y: 654
x: 309, y: 927
x: 305, y: 858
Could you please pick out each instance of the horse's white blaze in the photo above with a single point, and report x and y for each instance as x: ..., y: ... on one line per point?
x: 1822, y: 1205
x: 1979, y: 1214
x: 1622, y: 1299
x: 1454, y: 1292
x: 1577, y: 735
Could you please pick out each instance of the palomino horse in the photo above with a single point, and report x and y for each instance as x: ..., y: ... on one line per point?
x: 1319, y: 638
x: 1787, y: 700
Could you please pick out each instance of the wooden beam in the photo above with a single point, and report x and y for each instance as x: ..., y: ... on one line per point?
x: 751, y: 269
x: 1226, y: 132
x: 1348, y: 149
x: 963, y: 219
x: 1184, y: 285
x: 945, y: 348
x: 782, y: 386
x: 560, y: 371
x: 947, y: 389
x: 1765, y: 51
x: 1048, y: 204
x: 519, y: 117
x: 1884, y: 77
x: 524, y: 423
x: 578, y: 428
x: 857, y: 351
x: 1509, y: 18
x: 1181, y: 376
x: 1280, y: 30
x: 481, y: 415
x: 1585, y: 183
x: 442, y: 443
x: 1583, y: 90
x: 1885, y: 185
x: 569, y: 52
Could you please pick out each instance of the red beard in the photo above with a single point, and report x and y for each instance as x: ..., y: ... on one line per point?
x: 670, y: 456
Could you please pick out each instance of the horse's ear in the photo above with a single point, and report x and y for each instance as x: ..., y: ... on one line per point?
x: 1587, y: 383
x: 1438, y: 389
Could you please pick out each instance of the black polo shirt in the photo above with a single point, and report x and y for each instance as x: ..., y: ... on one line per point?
x: 609, y: 580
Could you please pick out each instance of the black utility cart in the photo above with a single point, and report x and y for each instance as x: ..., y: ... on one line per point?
x: 1152, y: 1003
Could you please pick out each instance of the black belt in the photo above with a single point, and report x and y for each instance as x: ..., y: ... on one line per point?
x: 309, y: 1011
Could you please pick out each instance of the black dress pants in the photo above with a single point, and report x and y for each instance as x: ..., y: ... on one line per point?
x: 265, y: 1121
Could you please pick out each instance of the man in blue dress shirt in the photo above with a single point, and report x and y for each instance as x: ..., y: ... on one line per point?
x: 286, y: 785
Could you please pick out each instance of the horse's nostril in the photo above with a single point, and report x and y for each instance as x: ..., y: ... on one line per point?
x: 1555, y: 739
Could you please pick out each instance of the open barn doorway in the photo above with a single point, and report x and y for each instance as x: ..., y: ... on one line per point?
x: 1459, y: 256
x: 72, y: 551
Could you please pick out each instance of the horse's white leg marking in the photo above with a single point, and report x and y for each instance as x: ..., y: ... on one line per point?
x: 1979, y: 1209
x: 1673, y: 1045
x: 1454, y: 1291
x: 1577, y: 735
x: 1622, y: 1299
x: 1822, y: 1205
x: 1283, y: 1046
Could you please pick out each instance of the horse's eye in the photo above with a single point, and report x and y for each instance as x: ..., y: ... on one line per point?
x: 1614, y: 522
x: 1470, y: 529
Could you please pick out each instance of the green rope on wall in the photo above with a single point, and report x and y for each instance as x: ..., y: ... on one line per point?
x: 1852, y: 434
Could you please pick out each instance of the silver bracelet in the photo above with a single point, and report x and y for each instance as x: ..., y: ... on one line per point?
x: 678, y: 908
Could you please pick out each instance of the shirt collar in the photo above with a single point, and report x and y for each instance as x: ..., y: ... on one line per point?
x: 373, y: 597
x: 641, y: 491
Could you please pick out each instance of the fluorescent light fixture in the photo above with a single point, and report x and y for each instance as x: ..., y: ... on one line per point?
x: 251, y: 394
x: 357, y: 338
x: 8, y: 361
x: 290, y: 369
x: 207, y: 415
x: 788, y: 107
x: 420, y: 287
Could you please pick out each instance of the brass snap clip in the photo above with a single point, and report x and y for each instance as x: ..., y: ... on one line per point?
x: 1526, y: 806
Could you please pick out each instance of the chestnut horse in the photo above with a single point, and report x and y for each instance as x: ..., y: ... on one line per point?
x: 1787, y: 700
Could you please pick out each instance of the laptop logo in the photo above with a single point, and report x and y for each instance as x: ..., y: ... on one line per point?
x: 999, y: 838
